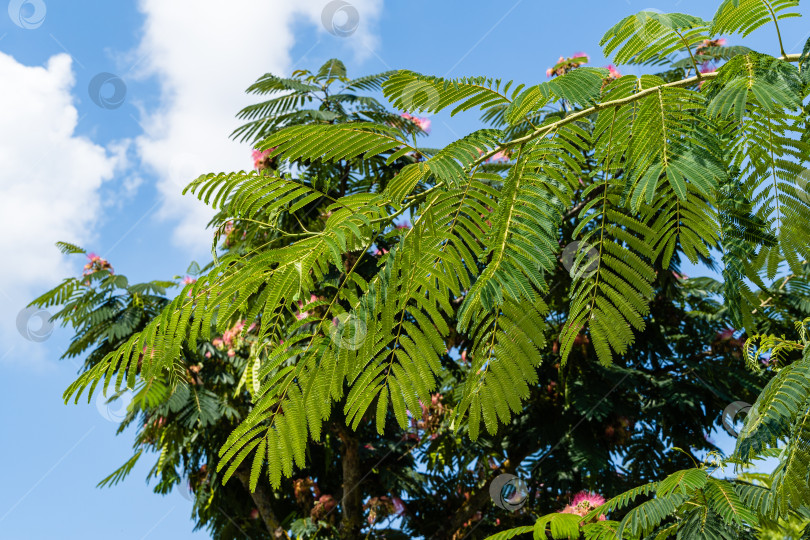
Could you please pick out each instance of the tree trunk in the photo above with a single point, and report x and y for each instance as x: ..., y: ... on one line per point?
x: 352, y: 502
x: 262, y: 498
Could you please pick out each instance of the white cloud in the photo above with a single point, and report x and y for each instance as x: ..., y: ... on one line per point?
x: 49, y: 185
x: 205, y: 53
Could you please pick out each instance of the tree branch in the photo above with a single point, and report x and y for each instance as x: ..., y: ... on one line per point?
x: 263, y: 501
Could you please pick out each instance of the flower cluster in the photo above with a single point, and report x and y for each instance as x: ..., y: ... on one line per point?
x: 423, y: 123
x: 232, y: 338
x: 323, y: 506
x: 188, y: 280
x: 96, y: 264
x: 584, y: 502
x: 263, y: 160
x: 382, y: 507
x: 431, y: 419
x: 564, y: 65
x: 304, y: 489
x: 232, y: 233
x: 619, y: 430
x: 498, y: 157
x: 725, y: 343
x: 301, y: 315
x: 708, y: 43
x: 613, y: 74
x: 708, y: 66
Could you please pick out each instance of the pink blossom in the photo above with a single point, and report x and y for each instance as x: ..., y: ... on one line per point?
x: 405, y: 225
x: 726, y: 333
x: 580, y: 55
x: 498, y: 156
x: 189, y: 280
x: 399, y: 506
x: 261, y: 158
x: 549, y: 71
x: 423, y: 123
x: 301, y: 315
x: 379, y: 252
x: 613, y: 73
x: 712, y: 43
x: 96, y: 264
x: 231, y: 353
x: 584, y: 502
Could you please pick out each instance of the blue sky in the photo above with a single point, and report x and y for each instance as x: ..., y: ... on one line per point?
x: 109, y: 177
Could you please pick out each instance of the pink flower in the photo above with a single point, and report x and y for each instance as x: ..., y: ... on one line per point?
x: 726, y: 333
x: 584, y: 502
x: 399, y: 506
x: 189, y: 281
x: 378, y: 252
x: 707, y: 67
x: 423, y: 123
x: 498, y: 156
x: 564, y: 65
x: 711, y: 43
x: 613, y: 73
x: 261, y: 158
x: 405, y: 225
x: 96, y: 264
x: 231, y: 353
